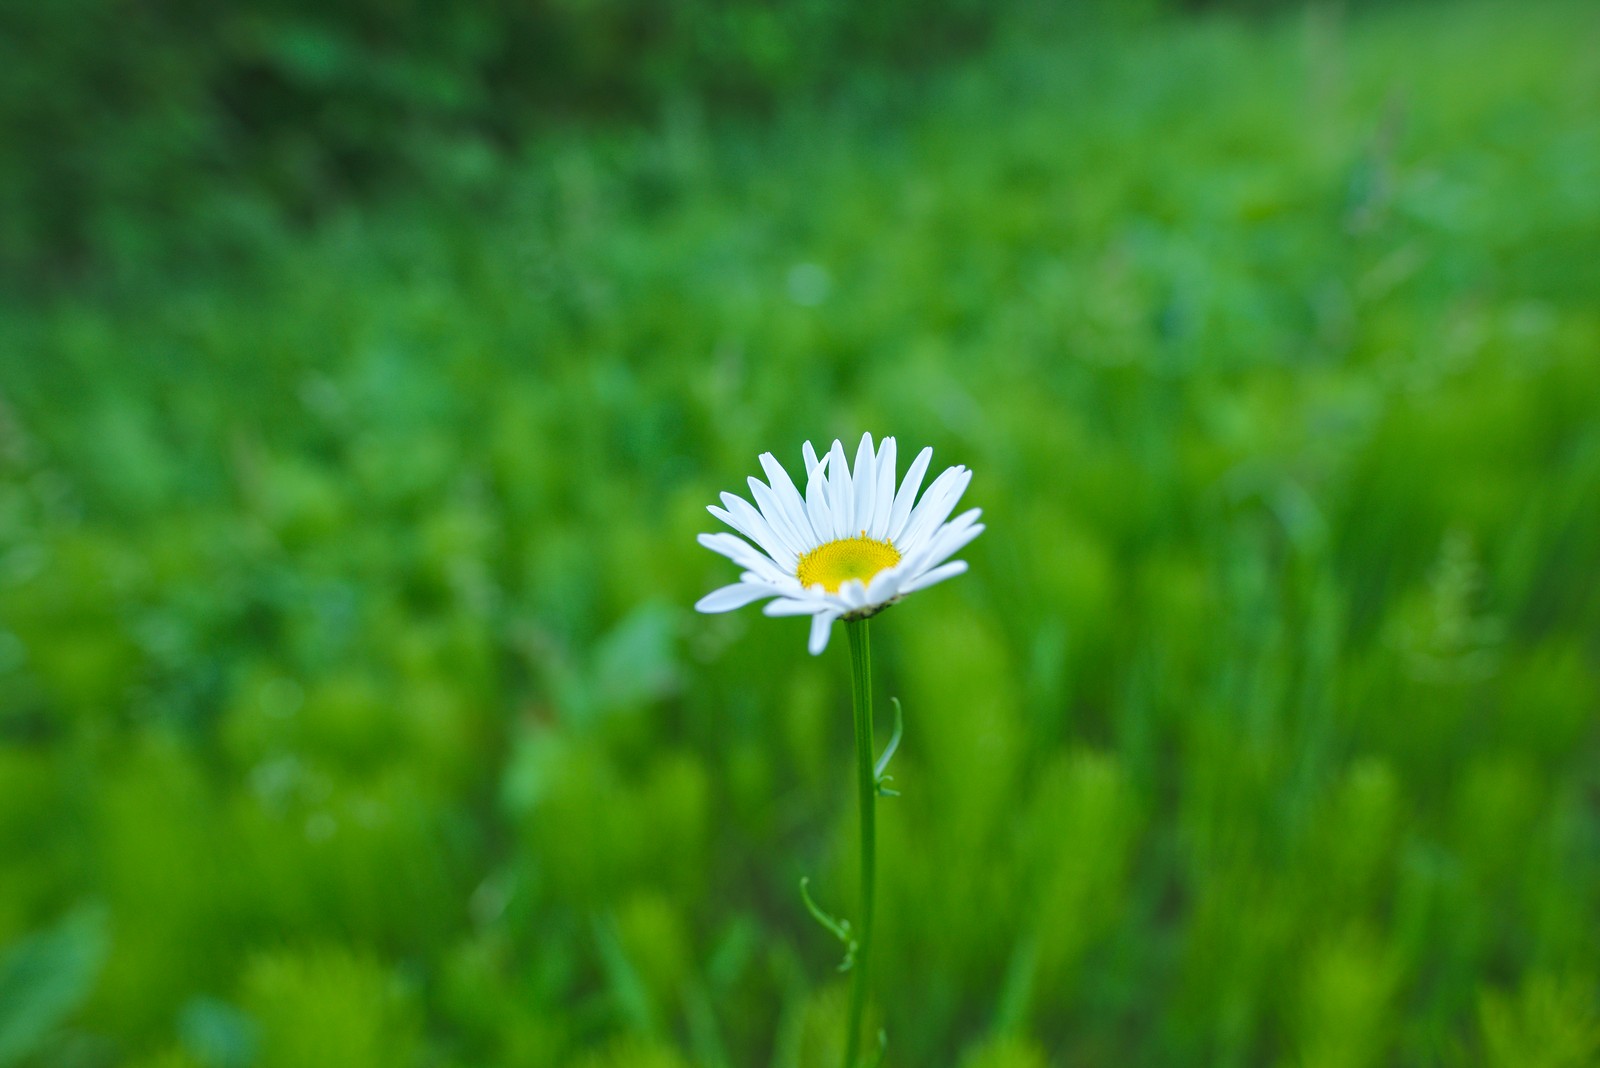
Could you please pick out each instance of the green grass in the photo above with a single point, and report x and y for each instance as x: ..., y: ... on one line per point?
x: 352, y: 711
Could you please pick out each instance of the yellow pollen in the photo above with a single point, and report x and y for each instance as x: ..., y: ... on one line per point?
x: 838, y: 562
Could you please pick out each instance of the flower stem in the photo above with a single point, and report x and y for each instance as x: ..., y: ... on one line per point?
x: 867, y: 785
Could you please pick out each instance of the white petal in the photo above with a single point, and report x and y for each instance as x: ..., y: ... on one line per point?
x: 787, y: 507
x: 935, y: 506
x: 738, y: 595
x: 821, y: 624
x: 950, y: 541
x: 747, y: 521
x: 841, y: 499
x: 908, y: 493
x: 938, y: 574
x: 885, y: 503
x: 885, y: 585
x: 742, y: 553
x: 777, y: 516
x: 866, y: 475
x: 854, y: 593
x: 817, y: 505
x: 944, y: 542
x: 811, y: 458
x: 789, y: 606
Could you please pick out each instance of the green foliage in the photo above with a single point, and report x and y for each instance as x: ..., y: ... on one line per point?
x: 346, y: 657
x: 44, y: 979
x: 1549, y: 1023
x: 129, y: 129
x: 327, y: 1007
x: 1005, y: 1053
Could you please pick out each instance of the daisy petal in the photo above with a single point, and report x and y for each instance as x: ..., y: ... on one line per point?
x: 753, y: 525
x: 885, y: 585
x: 935, y: 506
x: 908, y: 493
x: 938, y: 574
x: 866, y: 476
x: 946, y: 541
x: 810, y: 455
x: 817, y: 505
x: 884, y: 507
x: 782, y: 519
x: 821, y: 624
x: 841, y: 498
x: 786, y: 499
x: 789, y: 606
x: 738, y: 595
x: 742, y: 553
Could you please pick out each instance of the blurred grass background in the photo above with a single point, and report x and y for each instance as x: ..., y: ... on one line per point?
x: 364, y: 374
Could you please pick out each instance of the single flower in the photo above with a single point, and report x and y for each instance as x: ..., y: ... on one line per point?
x: 852, y: 546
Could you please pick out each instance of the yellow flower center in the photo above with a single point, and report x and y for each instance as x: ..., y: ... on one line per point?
x: 838, y: 562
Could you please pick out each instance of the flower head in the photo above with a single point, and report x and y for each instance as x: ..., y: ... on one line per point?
x: 853, y: 545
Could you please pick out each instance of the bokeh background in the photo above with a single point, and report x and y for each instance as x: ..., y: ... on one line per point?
x: 365, y: 370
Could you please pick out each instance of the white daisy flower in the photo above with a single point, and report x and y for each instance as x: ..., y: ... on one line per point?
x: 851, y: 547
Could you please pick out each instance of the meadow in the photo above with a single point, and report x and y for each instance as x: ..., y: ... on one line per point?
x: 353, y: 711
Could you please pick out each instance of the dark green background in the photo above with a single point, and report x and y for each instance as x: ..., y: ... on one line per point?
x: 365, y: 372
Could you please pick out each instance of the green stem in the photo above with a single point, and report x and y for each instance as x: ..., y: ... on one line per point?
x: 867, y: 785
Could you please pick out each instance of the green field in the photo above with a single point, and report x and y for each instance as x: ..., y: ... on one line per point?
x: 353, y: 711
